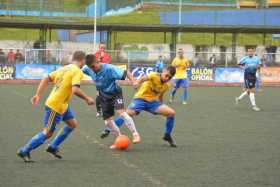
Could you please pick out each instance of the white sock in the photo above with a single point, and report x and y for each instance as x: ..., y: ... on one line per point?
x: 242, y: 95
x: 128, y: 121
x: 112, y: 125
x: 252, y: 99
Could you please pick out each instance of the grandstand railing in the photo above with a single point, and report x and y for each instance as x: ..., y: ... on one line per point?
x: 132, y: 58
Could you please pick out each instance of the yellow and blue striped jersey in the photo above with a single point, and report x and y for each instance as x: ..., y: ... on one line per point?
x: 63, y: 78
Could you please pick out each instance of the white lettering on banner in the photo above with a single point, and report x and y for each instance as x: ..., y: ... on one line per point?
x: 6, y: 76
x: 6, y: 69
x: 138, y: 72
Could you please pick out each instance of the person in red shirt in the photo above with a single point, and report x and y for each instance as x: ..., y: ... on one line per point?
x: 11, y: 57
x: 102, y: 54
x: 104, y: 58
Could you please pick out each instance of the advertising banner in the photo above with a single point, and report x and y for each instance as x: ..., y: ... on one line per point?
x: 229, y: 75
x: 201, y: 74
x: 34, y: 71
x: 7, y: 72
x: 270, y: 74
x: 138, y: 71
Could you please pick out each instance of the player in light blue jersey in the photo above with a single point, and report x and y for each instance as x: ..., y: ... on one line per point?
x: 111, y: 98
x: 251, y: 65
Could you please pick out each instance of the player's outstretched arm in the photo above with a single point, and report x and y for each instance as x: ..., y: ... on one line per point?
x: 40, y: 90
x: 78, y: 92
x: 138, y: 82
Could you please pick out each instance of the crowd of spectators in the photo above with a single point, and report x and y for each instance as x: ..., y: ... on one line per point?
x: 11, y: 57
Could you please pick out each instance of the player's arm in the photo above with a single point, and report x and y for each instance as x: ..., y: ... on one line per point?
x: 139, y: 81
x: 76, y: 81
x: 40, y: 90
x: 242, y: 62
x: 161, y: 97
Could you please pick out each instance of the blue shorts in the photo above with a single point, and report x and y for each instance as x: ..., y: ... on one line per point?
x: 52, y: 118
x: 140, y: 104
x: 184, y: 83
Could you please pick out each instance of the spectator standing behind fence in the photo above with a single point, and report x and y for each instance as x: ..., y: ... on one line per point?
x: 2, y: 57
x: 103, y: 55
x: 18, y: 56
x: 104, y: 58
x: 159, y: 64
x: 11, y: 57
x: 212, y: 61
x: 269, y: 51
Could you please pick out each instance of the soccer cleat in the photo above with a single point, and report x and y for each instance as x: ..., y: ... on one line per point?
x: 113, y: 146
x: 136, y: 138
x: 168, y: 138
x: 25, y: 157
x: 54, y: 152
x: 255, y: 108
x: 104, y: 133
x: 98, y: 114
x: 184, y: 102
x: 236, y: 101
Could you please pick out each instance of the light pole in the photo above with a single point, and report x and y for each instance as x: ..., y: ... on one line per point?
x: 180, y: 19
x: 95, y: 27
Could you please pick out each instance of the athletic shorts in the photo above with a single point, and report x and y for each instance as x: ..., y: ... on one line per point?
x: 52, y: 118
x: 184, y: 83
x: 110, y: 104
x: 250, y: 81
x: 138, y: 105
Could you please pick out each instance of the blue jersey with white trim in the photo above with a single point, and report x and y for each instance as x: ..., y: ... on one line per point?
x: 250, y: 64
x: 105, y: 78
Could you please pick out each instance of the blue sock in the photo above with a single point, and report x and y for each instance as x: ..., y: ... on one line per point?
x: 173, y: 92
x: 34, y: 142
x: 185, y: 94
x: 61, y: 136
x: 119, y: 121
x: 169, y: 125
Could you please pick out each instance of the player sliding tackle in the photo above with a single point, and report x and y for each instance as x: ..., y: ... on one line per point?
x: 66, y: 82
x: 149, y: 97
x: 251, y: 64
x: 110, y: 93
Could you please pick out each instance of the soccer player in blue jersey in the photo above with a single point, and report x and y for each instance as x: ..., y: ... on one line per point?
x: 251, y: 65
x: 111, y: 98
x: 66, y: 83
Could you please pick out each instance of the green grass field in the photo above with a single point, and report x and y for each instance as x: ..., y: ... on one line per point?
x: 219, y: 144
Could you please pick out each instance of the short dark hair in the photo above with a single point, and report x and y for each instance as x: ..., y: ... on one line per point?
x: 90, y: 59
x: 172, y: 70
x: 78, y: 56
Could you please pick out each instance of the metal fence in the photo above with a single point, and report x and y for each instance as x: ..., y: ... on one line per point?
x: 140, y: 58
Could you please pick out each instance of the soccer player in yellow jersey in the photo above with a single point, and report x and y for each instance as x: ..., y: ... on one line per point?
x: 180, y: 79
x: 67, y: 82
x: 149, y: 97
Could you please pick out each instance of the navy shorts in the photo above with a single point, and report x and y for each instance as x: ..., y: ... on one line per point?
x: 52, y: 118
x: 250, y: 81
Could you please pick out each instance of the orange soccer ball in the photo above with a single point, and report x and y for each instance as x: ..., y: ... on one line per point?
x: 122, y: 142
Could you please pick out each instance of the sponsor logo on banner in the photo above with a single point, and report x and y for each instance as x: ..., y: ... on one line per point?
x: 7, y: 72
x: 270, y: 74
x: 201, y: 74
x: 229, y: 75
x: 34, y: 71
x: 138, y: 72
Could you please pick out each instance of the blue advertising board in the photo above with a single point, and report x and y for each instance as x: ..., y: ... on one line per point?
x: 34, y: 71
x: 229, y: 75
